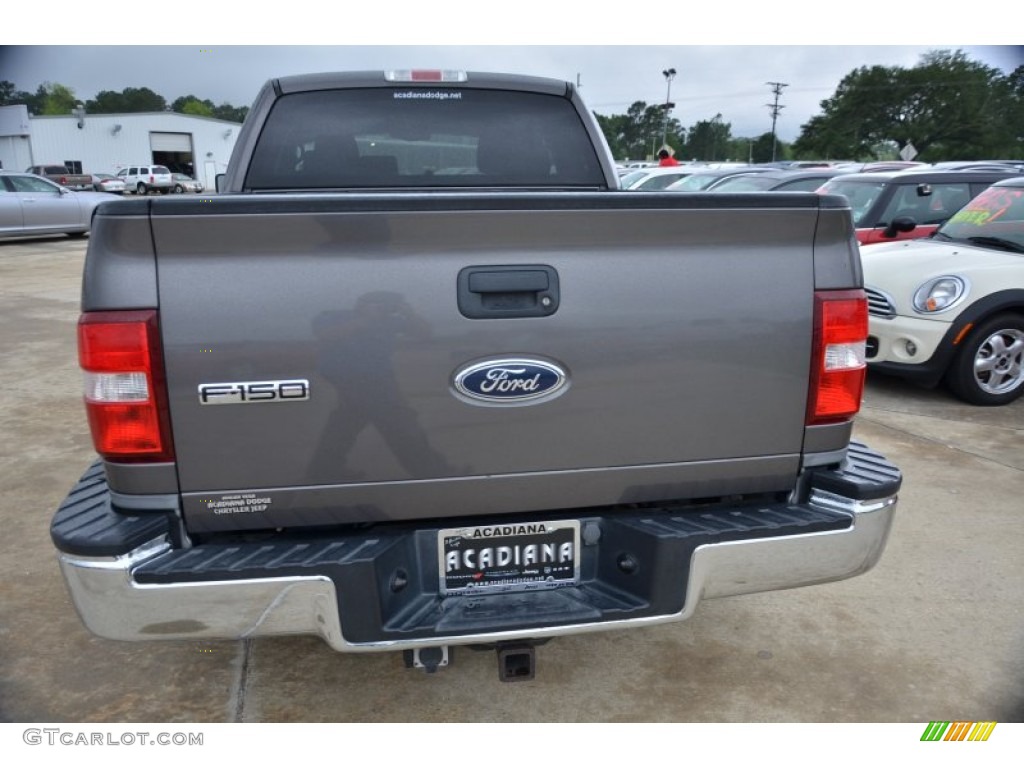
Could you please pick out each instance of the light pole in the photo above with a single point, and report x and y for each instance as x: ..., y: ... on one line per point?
x: 669, y: 75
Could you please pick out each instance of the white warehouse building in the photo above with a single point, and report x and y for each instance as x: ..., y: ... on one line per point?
x: 197, y: 146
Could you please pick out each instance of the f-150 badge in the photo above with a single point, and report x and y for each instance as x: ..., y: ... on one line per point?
x: 230, y: 393
x: 510, y: 381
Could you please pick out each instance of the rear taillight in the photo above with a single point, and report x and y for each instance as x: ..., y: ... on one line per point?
x: 838, y: 361
x: 125, y: 389
x: 152, y: 178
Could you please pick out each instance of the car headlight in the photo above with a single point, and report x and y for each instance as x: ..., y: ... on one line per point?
x: 940, y: 294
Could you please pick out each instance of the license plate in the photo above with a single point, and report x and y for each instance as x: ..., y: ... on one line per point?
x: 514, y: 557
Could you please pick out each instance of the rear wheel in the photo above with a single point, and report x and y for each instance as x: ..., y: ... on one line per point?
x: 140, y: 189
x: 989, y: 368
x: 178, y: 189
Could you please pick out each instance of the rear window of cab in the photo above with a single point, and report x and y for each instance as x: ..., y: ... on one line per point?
x: 422, y: 137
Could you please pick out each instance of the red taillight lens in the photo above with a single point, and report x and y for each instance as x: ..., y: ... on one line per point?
x: 125, y: 391
x: 838, y: 363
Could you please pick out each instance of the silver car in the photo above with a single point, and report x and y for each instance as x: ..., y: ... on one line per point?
x: 32, y: 205
x: 107, y: 182
x: 184, y: 183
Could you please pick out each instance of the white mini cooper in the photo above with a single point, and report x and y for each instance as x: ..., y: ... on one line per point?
x: 950, y: 308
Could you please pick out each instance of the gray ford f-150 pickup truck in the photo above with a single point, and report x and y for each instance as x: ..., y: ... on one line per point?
x: 422, y: 376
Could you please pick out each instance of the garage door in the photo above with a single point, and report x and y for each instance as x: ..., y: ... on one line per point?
x: 170, y: 142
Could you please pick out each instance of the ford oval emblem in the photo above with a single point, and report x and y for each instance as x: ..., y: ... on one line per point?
x: 510, y: 381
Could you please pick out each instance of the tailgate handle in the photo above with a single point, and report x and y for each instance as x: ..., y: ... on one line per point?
x: 521, y: 291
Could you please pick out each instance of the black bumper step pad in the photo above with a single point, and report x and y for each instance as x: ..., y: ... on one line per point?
x: 865, y: 475
x: 388, y: 584
x: 87, y: 524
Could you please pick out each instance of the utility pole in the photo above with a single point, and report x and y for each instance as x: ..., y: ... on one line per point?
x: 669, y: 75
x: 775, y: 109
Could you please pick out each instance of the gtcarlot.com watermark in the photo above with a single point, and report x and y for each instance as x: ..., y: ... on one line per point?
x: 54, y: 737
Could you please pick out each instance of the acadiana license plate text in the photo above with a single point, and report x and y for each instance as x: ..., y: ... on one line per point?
x: 509, y: 558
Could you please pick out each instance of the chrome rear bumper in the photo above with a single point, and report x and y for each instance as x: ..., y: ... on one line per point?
x: 114, y: 604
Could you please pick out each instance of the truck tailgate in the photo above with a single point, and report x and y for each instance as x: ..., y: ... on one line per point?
x: 313, y: 343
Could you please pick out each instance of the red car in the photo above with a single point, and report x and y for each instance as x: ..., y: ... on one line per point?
x: 904, y: 205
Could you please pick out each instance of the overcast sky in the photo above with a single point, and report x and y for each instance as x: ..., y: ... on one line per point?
x: 731, y: 79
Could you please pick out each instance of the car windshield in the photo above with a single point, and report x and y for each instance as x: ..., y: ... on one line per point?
x: 752, y: 182
x: 631, y: 177
x: 695, y: 182
x: 33, y: 184
x: 660, y: 180
x: 861, y: 195
x: 995, y: 217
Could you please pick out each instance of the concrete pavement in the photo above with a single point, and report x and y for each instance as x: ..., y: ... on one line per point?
x: 934, y: 632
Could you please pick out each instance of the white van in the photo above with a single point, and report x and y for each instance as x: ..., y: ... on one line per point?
x: 141, y: 179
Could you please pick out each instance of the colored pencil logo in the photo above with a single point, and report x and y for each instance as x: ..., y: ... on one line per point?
x: 958, y: 731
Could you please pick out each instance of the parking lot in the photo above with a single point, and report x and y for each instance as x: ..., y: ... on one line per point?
x: 934, y: 632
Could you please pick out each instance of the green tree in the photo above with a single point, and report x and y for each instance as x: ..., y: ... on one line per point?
x: 193, y: 105
x: 143, y: 100
x: 106, y: 103
x: 710, y: 140
x: 1009, y: 130
x: 638, y: 133
x: 756, y: 150
x: 55, y: 99
x: 10, y: 95
x: 196, y: 107
x: 947, y: 106
x: 127, y: 101
x: 7, y: 93
x: 227, y: 112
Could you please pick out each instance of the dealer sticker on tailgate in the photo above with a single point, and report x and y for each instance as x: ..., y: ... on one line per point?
x: 512, y: 557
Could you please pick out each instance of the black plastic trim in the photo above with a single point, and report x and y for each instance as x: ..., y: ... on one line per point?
x: 864, y: 475
x: 87, y: 524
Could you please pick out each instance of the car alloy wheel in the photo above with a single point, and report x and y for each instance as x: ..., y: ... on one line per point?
x: 178, y: 189
x: 989, y: 370
x: 141, y: 189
